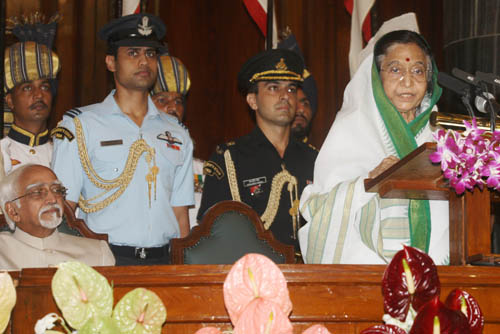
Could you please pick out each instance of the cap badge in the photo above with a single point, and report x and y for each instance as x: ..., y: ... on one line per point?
x: 281, y: 66
x: 145, y: 29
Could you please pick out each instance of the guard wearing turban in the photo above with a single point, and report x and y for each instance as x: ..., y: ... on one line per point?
x: 30, y: 72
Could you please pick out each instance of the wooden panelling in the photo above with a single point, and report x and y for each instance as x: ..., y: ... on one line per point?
x: 322, y: 29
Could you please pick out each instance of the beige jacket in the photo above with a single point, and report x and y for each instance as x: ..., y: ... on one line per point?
x: 21, y: 250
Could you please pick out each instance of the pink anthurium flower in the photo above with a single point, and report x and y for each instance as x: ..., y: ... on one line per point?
x: 254, y: 276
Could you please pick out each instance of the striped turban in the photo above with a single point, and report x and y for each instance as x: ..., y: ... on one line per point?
x: 28, y: 61
x: 172, y: 76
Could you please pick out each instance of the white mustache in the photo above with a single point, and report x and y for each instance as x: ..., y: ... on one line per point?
x: 55, y: 217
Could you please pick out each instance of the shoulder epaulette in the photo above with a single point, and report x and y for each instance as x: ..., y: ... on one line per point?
x: 219, y: 149
x: 73, y: 112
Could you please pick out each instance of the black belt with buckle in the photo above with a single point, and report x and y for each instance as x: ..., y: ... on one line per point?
x: 140, y: 252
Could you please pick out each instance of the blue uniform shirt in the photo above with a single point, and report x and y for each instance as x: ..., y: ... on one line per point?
x: 109, y: 133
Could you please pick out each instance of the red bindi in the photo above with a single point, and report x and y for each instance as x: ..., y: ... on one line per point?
x: 407, y: 59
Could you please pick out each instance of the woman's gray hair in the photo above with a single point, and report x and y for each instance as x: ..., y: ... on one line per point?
x: 9, y: 189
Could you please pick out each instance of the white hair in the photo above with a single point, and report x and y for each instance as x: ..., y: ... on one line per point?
x: 9, y: 189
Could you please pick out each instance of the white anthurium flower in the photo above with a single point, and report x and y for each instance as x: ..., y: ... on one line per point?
x: 47, y: 322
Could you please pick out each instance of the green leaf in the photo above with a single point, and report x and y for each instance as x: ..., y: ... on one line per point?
x: 81, y: 293
x: 100, y: 325
x: 140, y: 311
x: 7, y: 299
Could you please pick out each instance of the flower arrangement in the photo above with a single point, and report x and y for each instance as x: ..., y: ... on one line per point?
x: 257, y: 300
x: 411, y: 290
x: 255, y: 294
x: 470, y: 158
x: 85, y: 299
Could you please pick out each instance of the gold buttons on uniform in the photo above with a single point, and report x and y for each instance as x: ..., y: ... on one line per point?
x: 32, y: 151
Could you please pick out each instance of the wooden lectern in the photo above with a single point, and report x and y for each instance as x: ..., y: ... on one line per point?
x: 415, y: 177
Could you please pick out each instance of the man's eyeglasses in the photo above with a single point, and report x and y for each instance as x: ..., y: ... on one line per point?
x: 397, y: 72
x: 42, y: 192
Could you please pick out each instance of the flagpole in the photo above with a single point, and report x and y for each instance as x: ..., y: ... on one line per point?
x: 270, y: 16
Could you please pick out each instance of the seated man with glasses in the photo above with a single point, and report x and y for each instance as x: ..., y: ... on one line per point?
x: 32, y: 198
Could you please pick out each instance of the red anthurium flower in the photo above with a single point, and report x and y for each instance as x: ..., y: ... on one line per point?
x: 383, y: 329
x: 414, y: 285
x: 434, y: 317
x: 462, y: 301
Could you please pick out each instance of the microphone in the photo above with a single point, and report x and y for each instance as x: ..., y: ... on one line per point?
x: 467, y: 77
x: 459, y: 87
x: 488, y: 78
x: 485, y: 104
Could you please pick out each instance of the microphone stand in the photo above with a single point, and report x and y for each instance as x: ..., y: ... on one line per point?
x: 490, y: 78
x: 466, y: 101
x: 482, y: 90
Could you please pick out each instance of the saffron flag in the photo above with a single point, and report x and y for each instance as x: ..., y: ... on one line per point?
x: 258, y: 11
x: 360, y: 26
x: 131, y: 7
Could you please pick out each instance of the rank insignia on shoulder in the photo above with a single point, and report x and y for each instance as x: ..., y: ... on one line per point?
x: 172, y: 142
x: 73, y: 112
x: 212, y: 169
x: 61, y: 132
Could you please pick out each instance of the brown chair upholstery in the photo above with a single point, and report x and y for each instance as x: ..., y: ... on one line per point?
x: 228, y: 231
x: 73, y: 222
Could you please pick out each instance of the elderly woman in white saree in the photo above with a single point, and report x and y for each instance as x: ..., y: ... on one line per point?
x: 384, y: 116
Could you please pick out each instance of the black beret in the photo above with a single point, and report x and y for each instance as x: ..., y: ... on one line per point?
x: 134, y: 30
x: 270, y: 65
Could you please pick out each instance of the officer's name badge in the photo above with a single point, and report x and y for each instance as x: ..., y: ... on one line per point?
x: 254, y: 182
x: 111, y: 142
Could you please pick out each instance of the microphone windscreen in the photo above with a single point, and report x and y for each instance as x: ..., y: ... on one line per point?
x: 467, y: 77
x: 447, y: 81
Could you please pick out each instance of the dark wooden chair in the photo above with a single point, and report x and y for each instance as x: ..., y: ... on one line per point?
x: 228, y: 231
x: 74, y: 223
